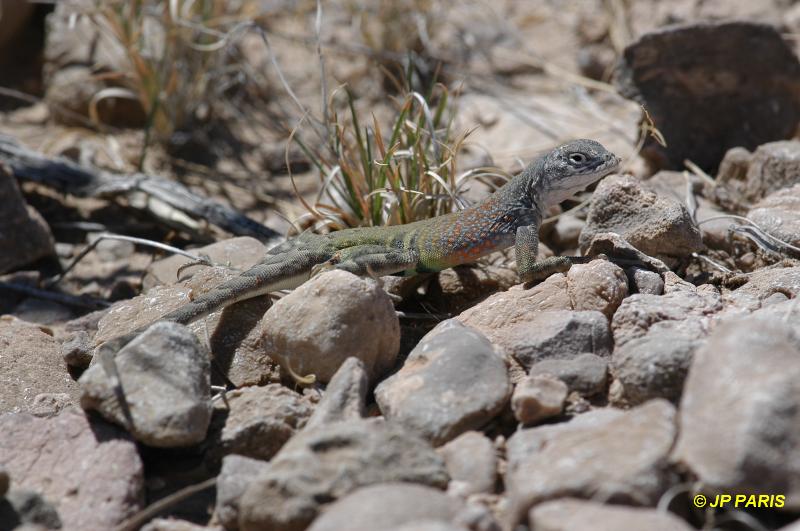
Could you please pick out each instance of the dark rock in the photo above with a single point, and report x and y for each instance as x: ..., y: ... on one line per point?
x: 569, y: 514
x: 453, y: 381
x: 91, y: 471
x: 330, y: 318
x: 322, y: 464
x: 739, y: 411
x: 164, y: 376
x: 608, y: 454
x: 30, y: 364
x: 586, y: 374
x: 710, y: 87
x: 5, y: 481
x: 21, y: 227
x: 656, y: 225
x: 456, y: 288
x: 471, y: 461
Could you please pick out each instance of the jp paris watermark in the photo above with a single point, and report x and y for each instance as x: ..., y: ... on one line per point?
x: 741, y: 501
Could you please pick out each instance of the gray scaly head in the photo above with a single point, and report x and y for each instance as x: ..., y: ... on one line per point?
x: 571, y: 167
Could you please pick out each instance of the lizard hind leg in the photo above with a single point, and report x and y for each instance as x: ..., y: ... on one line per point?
x: 376, y: 261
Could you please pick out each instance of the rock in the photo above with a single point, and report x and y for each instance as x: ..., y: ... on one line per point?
x: 569, y: 514
x: 30, y: 364
x: 772, y: 167
x: 384, y: 507
x: 645, y: 281
x: 23, y: 508
x: 537, y: 398
x: 561, y: 334
x: 737, y: 415
x: 613, y: 246
x: 471, y: 462
x: 51, y: 404
x: 77, y: 350
x: 345, y: 396
x: 233, y: 333
x: 164, y: 374
x: 91, y: 471
x: 734, y: 165
x: 779, y: 214
x: 330, y: 318
x: 764, y: 283
x: 605, y: 454
x: 655, y: 365
x: 586, y: 374
x: 706, y: 86
x: 640, y: 312
x: 656, y: 225
x: 598, y: 285
x: 21, y: 227
x: 456, y: 288
x: 5, y: 481
x: 566, y: 231
x: 235, y: 477
x: 256, y: 421
x: 42, y: 312
x: 453, y: 381
x: 321, y: 465
x: 239, y: 253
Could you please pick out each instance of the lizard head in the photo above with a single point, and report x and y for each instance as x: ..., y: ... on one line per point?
x: 573, y: 166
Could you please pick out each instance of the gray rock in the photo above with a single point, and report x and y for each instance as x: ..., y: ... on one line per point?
x: 383, y: 507
x: 233, y: 333
x: 164, y: 375
x: 779, y: 214
x: 537, y: 398
x: 568, y: 514
x: 604, y: 454
x: 30, y: 364
x: 33, y: 310
x: 21, y: 227
x: 345, y: 395
x: 235, y: 477
x: 453, y: 381
x: 330, y: 318
x: 77, y: 350
x: 21, y: 508
x: 668, y: 71
x: 586, y: 374
x: 256, y: 421
x: 558, y: 335
x: 430, y: 525
x: 773, y: 166
x: 640, y: 312
x: 51, y: 404
x: 566, y: 231
x: 91, y: 471
x: 739, y: 411
x: 645, y: 281
x: 471, y: 462
x: 655, y: 365
x: 656, y: 225
x: 321, y: 465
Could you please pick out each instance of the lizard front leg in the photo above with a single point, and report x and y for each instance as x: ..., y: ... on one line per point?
x: 529, y: 270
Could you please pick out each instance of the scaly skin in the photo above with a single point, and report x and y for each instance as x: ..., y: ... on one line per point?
x: 510, y: 216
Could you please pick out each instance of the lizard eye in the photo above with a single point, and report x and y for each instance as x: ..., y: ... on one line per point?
x: 577, y: 158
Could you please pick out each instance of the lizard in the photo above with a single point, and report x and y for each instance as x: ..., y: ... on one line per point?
x: 509, y: 217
